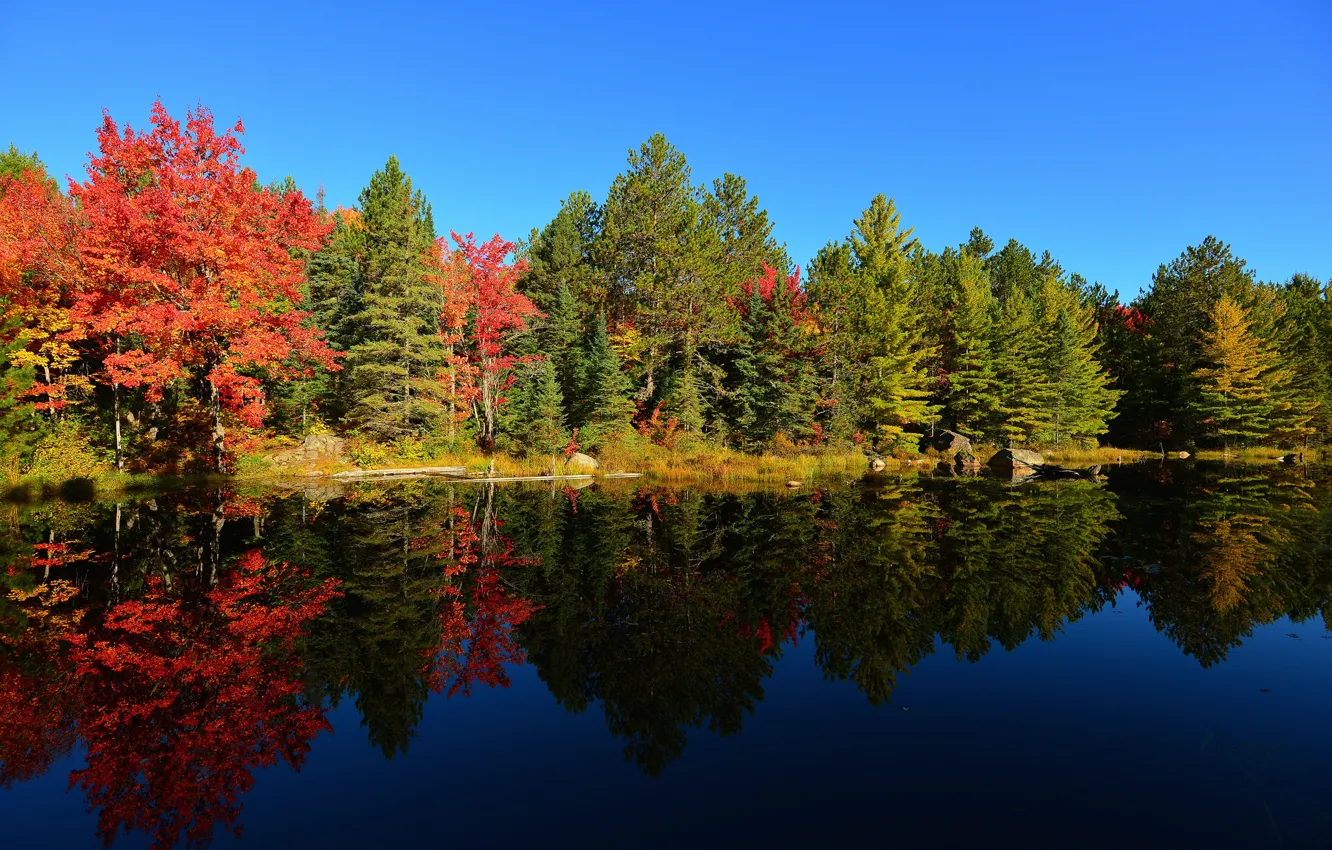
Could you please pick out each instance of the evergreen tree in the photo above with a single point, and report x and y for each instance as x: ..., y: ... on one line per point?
x: 395, y: 351
x: 833, y: 289
x: 973, y: 397
x: 1305, y: 347
x: 1080, y: 401
x: 1179, y: 305
x: 536, y: 411
x: 1234, y: 403
x: 1023, y: 387
x: 558, y: 335
x: 608, y: 392
x: 662, y: 259
x: 889, y: 323
x: 561, y: 255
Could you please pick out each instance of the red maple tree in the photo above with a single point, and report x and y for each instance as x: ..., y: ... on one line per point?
x: 484, y: 310
x: 192, y: 271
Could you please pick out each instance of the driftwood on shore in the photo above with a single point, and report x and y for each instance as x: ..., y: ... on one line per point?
x: 419, y: 471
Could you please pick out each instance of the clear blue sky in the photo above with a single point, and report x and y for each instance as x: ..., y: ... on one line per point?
x: 1113, y: 136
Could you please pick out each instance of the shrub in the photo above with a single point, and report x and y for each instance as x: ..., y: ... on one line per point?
x: 67, y: 453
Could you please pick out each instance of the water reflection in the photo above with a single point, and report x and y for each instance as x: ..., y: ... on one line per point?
x: 187, y: 640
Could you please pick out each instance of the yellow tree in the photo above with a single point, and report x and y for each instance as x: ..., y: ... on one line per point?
x: 1236, y: 381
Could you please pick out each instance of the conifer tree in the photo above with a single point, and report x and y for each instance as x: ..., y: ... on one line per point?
x: 536, y: 414
x: 1305, y: 347
x: 1234, y: 403
x: 1080, y: 400
x: 973, y: 396
x: 661, y: 258
x: 395, y: 352
x: 558, y: 335
x: 561, y: 255
x: 608, y: 392
x: 1023, y: 387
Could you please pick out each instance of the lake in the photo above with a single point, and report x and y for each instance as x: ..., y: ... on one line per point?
x: 927, y: 661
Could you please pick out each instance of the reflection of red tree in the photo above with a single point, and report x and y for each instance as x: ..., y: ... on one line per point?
x: 37, y: 702
x: 475, y: 648
x: 184, y: 699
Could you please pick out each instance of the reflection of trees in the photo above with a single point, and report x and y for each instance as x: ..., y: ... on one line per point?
x: 970, y: 562
x: 1220, y: 553
x: 134, y: 625
x: 179, y: 692
x: 670, y: 608
x: 182, y: 672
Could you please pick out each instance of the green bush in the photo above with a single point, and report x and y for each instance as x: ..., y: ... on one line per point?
x: 66, y: 453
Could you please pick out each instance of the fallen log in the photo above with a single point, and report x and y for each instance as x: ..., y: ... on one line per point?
x: 364, y: 474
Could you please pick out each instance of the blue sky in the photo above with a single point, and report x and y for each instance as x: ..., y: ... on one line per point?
x: 1114, y: 136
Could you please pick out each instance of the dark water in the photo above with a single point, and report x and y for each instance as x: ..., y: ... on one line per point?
x: 930, y: 663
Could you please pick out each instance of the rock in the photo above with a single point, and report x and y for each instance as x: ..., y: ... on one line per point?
x: 1288, y: 459
x: 946, y: 441
x: 1015, y: 460
x: 579, y: 462
x: 794, y: 484
x: 943, y: 468
x: 966, y: 462
x: 877, y: 464
x: 1183, y: 455
x: 315, y: 448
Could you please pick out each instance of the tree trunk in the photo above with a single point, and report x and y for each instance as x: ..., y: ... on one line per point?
x: 219, y: 434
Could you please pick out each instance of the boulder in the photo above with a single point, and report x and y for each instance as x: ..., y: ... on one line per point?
x: 794, y: 484
x: 966, y: 462
x: 315, y: 448
x: 579, y: 462
x: 945, y: 442
x: 877, y: 464
x: 1183, y: 455
x: 1015, y: 460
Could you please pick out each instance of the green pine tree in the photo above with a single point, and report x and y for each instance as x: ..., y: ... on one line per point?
x: 973, y: 398
x: 395, y: 351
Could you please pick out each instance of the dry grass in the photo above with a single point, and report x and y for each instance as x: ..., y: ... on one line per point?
x: 722, y: 464
x: 1257, y: 455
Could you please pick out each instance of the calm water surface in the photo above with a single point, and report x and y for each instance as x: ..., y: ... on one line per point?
x: 929, y: 662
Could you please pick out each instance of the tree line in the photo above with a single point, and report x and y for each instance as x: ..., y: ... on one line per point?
x: 172, y: 311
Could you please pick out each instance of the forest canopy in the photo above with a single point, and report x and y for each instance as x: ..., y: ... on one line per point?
x: 170, y: 311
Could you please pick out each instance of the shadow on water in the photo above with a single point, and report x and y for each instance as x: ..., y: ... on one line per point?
x: 226, y: 623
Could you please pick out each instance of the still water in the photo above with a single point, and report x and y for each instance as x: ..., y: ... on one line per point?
x: 930, y: 662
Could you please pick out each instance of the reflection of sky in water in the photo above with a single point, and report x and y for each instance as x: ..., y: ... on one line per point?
x: 1106, y: 736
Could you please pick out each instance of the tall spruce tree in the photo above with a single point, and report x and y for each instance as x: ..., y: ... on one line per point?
x: 395, y: 351
x: 1023, y: 386
x: 608, y: 391
x: 536, y: 413
x: 894, y: 380
x: 661, y: 263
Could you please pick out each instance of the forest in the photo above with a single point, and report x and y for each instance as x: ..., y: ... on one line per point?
x: 172, y: 312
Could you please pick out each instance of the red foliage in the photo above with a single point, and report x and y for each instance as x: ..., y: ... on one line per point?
x: 184, y: 700
x: 659, y: 430
x: 190, y: 267
x: 477, y: 637
x: 794, y: 296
